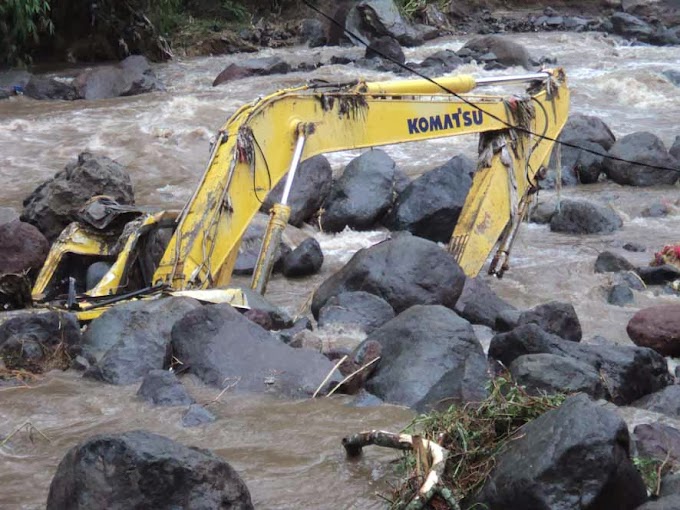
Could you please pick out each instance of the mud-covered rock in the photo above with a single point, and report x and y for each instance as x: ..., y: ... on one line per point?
x: 554, y: 317
x: 129, y: 77
x: 310, y: 189
x: 139, y: 469
x: 363, y: 193
x: 571, y: 458
x: 131, y: 339
x: 501, y: 49
x: 630, y: 372
x: 404, y: 271
x: 162, y: 388
x: 304, y: 260
x: 206, y: 339
x: 22, y: 248
x: 52, y: 205
x: 583, y: 217
x: 657, y: 327
x: 356, y: 309
x: 428, y: 352
x: 429, y: 207
x: 644, y: 148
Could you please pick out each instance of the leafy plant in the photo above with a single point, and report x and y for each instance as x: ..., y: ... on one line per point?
x: 21, y: 21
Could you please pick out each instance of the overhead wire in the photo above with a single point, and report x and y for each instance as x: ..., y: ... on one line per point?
x: 475, y: 106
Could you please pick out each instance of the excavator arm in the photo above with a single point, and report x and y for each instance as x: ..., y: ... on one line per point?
x: 255, y: 148
x: 265, y: 140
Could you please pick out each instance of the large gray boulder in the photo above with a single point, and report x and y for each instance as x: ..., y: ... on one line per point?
x: 310, y: 189
x: 631, y: 26
x: 139, y: 469
x: 404, y: 271
x: 52, y: 205
x: 259, y: 66
x: 505, y: 51
x: 129, y: 77
x: 304, y: 260
x: 554, y: 317
x: 665, y: 401
x: 356, y: 309
x: 131, y: 339
x: 479, y: 304
x: 628, y: 372
x: 161, y: 387
x: 220, y: 346
x: 251, y: 243
x: 429, y: 207
x: 362, y: 194
x: 587, y: 128
x: 576, y: 457
x: 368, y: 19
x: 643, y: 148
x: 583, y: 217
x: 658, y: 441
x: 425, y: 347
x: 42, y: 87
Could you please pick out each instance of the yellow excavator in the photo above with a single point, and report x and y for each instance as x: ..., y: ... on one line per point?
x: 192, y: 251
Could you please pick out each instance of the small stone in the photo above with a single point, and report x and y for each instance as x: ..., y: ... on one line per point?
x: 197, y: 415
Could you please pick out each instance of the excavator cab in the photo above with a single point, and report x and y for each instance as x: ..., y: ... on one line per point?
x: 115, y: 253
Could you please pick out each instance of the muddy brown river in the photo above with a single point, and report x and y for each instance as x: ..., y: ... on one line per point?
x: 289, y: 453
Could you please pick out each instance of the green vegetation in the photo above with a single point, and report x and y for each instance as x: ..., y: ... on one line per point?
x: 21, y: 21
x: 410, y: 8
x: 474, y: 434
x: 651, y: 470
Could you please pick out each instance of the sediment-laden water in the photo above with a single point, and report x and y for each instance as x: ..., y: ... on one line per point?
x: 289, y: 453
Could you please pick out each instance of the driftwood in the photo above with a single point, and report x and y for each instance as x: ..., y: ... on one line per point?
x: 430, y: 457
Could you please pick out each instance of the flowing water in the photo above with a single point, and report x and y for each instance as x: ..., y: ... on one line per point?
x: 289, y: 453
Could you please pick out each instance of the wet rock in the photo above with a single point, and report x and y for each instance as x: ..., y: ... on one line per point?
x: 658, y: 209
x: 310, y: 189
x: 629, y: 372
x: 278, y: 317
x: 362, y: 195
x: 549, y: 373
x: 13, y: 80
x: 304, y: 260
x: 197, y: 415
x: 582, y: 217
x: 630, y: 26
x: 375, y: 18
x: 252, y: 67
x: 356, y: 309
x: 428, y: 351
x: 506, y: 51
x: 665, y: 401
x: 620, y: 295
x: 608, y: 262
x: 586, y: 163
x: 644, y: 148
x: 429, y: 207
x: 587, y: 128
x: 630, y: 279
x: 52, y: 204
x: 404, y: 271
x: 657, y: 327
x: 251, y: 242
x: 28, y: 338
x: 131, y: 339
x: 479, y: 304
x: 675, y: 148
x: 664, y: 503
x: 130, y: 77
x: 139, y: 469
x: 543, y: 212
x: 313, y: 32
x: 307, y: 339
x: 365, y: 399
x: 634, y: 247
x: 507, y: 320
x: 441, y: 62
x: 555, y: 317
x: 658, y: 441
x: 658, y: 275
x: 206, y: 339
x: 670, y: 485
x: 385, y: 46
x: 41, y: 87
x: 162, y: 388
x: 286, y: 335
x: 22, y: 248
x: 574, y: 457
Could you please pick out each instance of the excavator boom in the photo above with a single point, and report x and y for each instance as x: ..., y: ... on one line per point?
x: 266, y: 139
